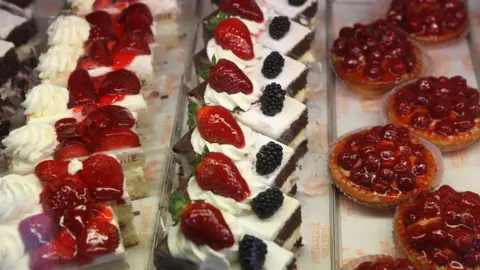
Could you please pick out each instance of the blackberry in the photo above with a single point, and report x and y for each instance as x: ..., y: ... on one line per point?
x: 252, y: 252
x: 296, y: 3
x: 269, y: 158
x: 273, y: 65
x: 272, y: 99
x: 279, y: 27
x: 266, y: 203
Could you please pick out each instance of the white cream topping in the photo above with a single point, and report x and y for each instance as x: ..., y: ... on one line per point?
x: 68, y: 30
x: 231, y: 151
x: 30, y: 144
x: 232, y: 101
x: 46, y: 99
x: 284, y: 45
x: 134, y: 103
x: 58, y: 60
x: 82, y: 6
x: 141, y: 65
x: 213, y: 49
x: 11, y: 247
x: 18, y: 194
x: 282, y: 7
x: 75, y: 166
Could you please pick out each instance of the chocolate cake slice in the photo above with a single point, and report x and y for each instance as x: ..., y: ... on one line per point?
x: 16, y: 26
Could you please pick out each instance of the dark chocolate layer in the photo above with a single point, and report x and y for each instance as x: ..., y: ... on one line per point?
x: 23, y: 33
x: 21, y: 3
x: 202, y: 62
x: 9, y: 66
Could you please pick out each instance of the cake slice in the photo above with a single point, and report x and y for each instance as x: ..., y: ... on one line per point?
x: 16, y: 25
x: 241, y: 144
x: 263, y: 108
x: 259, y: 62
x: 216, y: 241
x: 302, y: 11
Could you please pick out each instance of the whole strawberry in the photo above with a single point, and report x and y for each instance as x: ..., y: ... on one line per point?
x: 232, y: 34
x: 227, y: 77
x: 201, y: 223
x: 247, y: 9
x: 217, y: 172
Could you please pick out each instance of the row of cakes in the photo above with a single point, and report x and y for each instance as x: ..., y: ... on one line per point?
x: 247, y: 122
x: 400, y: 164
x: 78, y: 161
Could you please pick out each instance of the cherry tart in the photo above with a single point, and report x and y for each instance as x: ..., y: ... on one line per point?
x: 440, y: 229
x: 371, y: 59
x: 431, y: 21
x: 383, y: 166
x: 375, y: 262
x: 443, y: 110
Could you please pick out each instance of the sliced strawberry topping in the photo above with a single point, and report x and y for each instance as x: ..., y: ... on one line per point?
x: 100, y: 19
x: 246, y: 9
x: 101, y: 211
x: 203, y: 224
x: 50, y: 170
x: 60, y: 250
x: 217, y: 125
x: 136, y: 23
x: 68, y: 129
x: 102, y: 4
x: 217, y: 173
x: 37, y: 230
x: 99, y: 33
x: 77, y: 217
x: 120, y: 81
x: 98, y: 238
x: 61, y: 194
x: 232, y: 34
x: 71, y: 149
x: 227, y: 77
x: 86, y: 63
x: 115, y: 138
x: 138, y: 9
x: 81, y: 89
x: 109, y: 116
x: 132, y: 44
x: 100, y: 53
x: 104, y: 177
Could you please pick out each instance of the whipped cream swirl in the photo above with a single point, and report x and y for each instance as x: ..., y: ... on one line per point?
x: 18, y: 194
x: 11, y: 247
x: 46, y: 99
x: 75, y: 166
x: 232, y: 101
x: 68, y: 30
x: 30, y: 144
x: 234, y: 153
x: 57, y: 61
x: 214, y: 49
x: 82, y: 6
x: 181, y: 247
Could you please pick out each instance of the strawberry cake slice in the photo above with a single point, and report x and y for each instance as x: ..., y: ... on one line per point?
x: 232, y: 41
x: 104, y: 129
x: 260, y: 209
x: 207, y: 238
x: 269, y: 162
x: 265, y: 109
x: 48, y: 103
x: 269, y: 29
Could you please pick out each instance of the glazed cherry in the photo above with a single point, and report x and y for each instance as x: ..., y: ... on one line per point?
x: 401, y: 164
x: 464, y: 123
x: 346, y: 32
x: 386, y: 174
x: 421, y: 120
x: 340, y: 46
x: 361, y: 176
x: 406, y: 181
x: 374, y: 55
x: 425, y: 84
x: 396, y: 67
x: 472, y: 259
x: 380, y: 187
x: 440, y: 108
x: 371, y: 162
x: 351, y: 64
x: 403, y: 107
x: 420, y: 167
x: 388, y: 153
x: 373, y: 72
x: 460, y: 105
x: 366, y: 149
x: 348, y: 159
x: 421, y: 100
x: 445, y: 128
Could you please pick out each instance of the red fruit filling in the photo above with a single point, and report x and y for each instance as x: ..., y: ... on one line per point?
x: 120, y: 82
x: 375, y: 51
x: 100, y: 19
x: 386, y: 264
x: 109, y: 116
x: 115, y: 138
x: 104, y: 177
x: 62, y: 194
x: 384, y: 160
x: 71, y: 149
x: 99, y: 237
x: 441, y: 105
x: 428, y: 18
x: 443, y: 225
x: 50, y: 170
x: 60, y: 250
x: 81, y: 89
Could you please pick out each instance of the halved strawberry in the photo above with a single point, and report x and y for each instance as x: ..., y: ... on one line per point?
x: 37, y: 230
x: 100, y: 53
x: 201, y: 223
x: 81, y: 89
x: 104, y: 177
x: 247, y: 9
x: 109, y: 116
x: 77, y: 217
x: 138, y: 9
x: 99, y: 33
x: 227, y: 77
x: 217, y: 173
x: 120, y: 82
x: 101, y: 19
x: 99, y: 237
x: 71, y: 149
x: 115, y: 138
x: 68, y: 129
x: 61, y: 194
x: 84, y: 62
x: 136, y: 23
x: 232, y: 34
x: 217, y: 125
x: 102, y: 4
x: 50, y: 170
x: 132, y: 43
x: 61, y: 250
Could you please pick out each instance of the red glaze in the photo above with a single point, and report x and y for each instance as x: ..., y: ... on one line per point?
x: 60, y: 250
x: 50, y: 170
x: 71, y: 149
x: 99, y: 237
x: 120, y: 82
x: 217, y: 125
x: 443, y: 225
x: 232, y: 34
x: 100, y: 19
x: 217, y: 173
x: 68, y: 129
x: 37, y: 230
x: 386, y: 263
x: 227, y: 77
x: 81, y: 89
x: 61, y: 194
x: 103, y: 176
x: 114, y: 139
x: 100, y: 53
x: 137, y: 9
x: 110, y: 99
x: 109, y: 116
x: 203, y: 224
x: 247, y: 9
